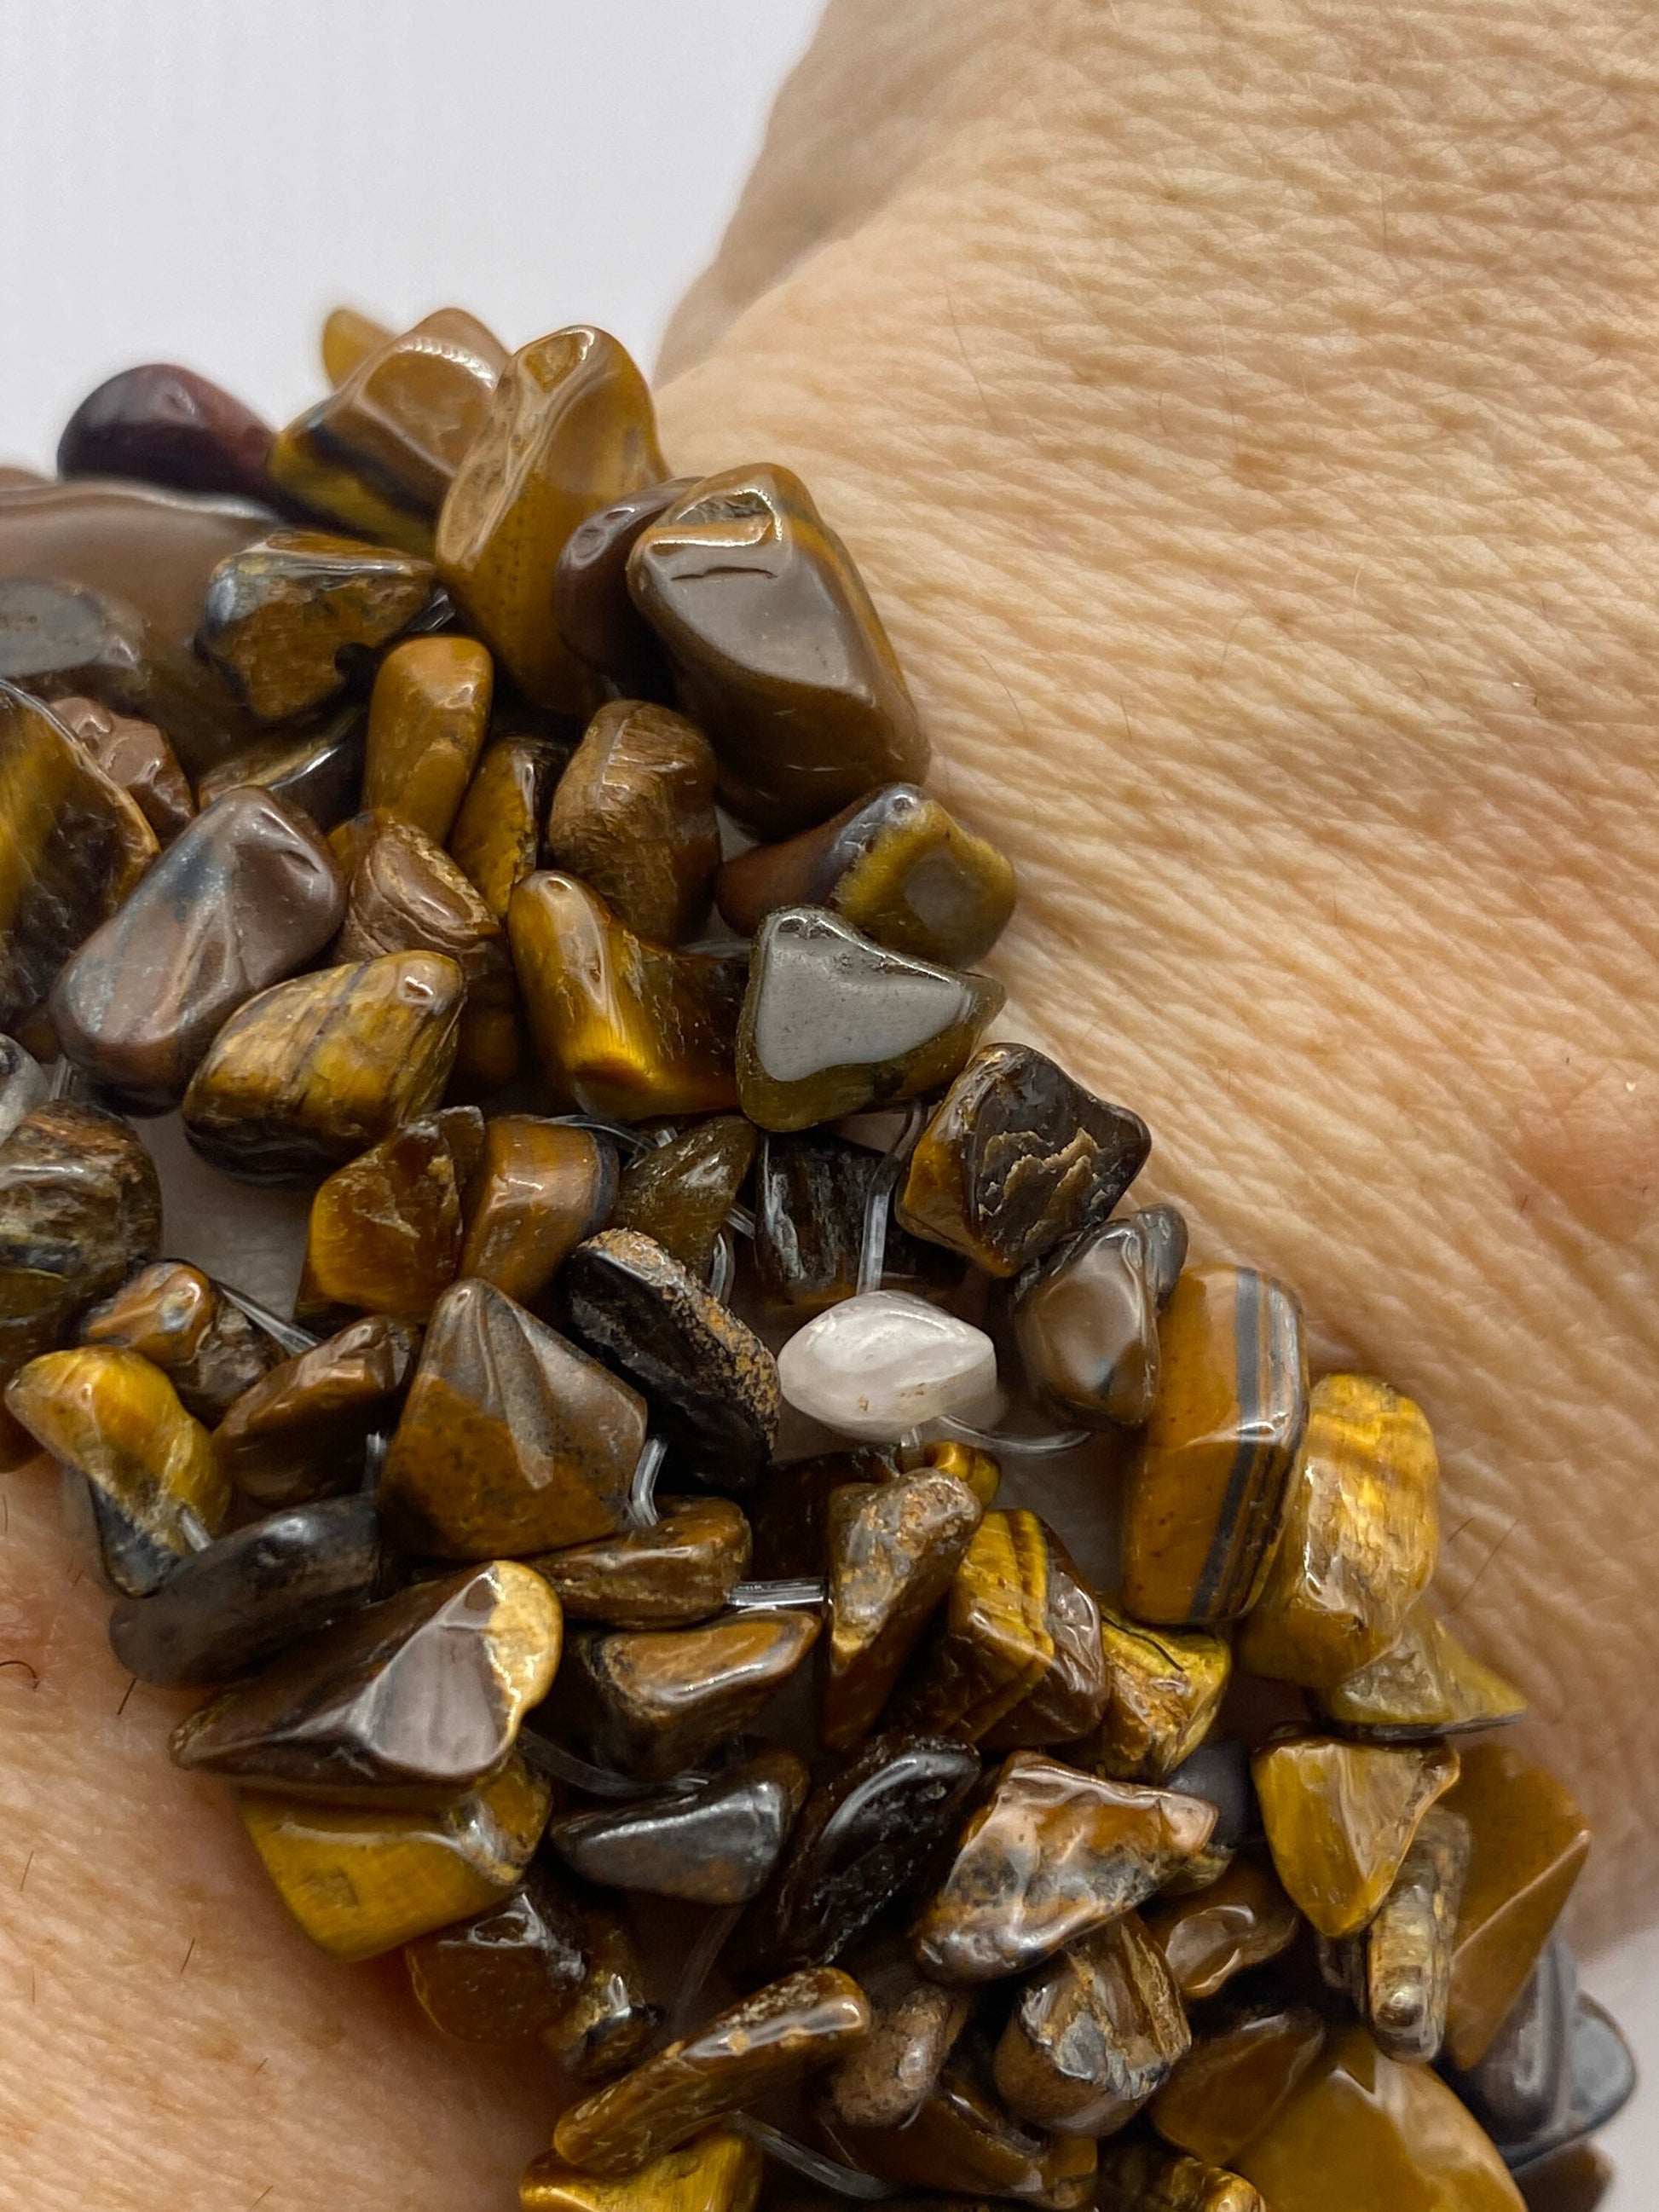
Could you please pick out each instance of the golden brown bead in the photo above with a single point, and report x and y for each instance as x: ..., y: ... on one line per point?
x: 1242, y: 1919
x: 683, y: 1568
x: 680, y: 1193
x: 718, y: 2171
x: 1398, y: 1970
x: 913, y: 2025
x: 1424, y: 1683
x: 180, y: 1321
x: 318, y: 772
x: 348, y: 337
x: 299, y: 1433
x: 1093, y: 2035
x: 609, y: 2018
x: 496, y: 840
x: 981, y: 1473
x: 1233, y: 2081
x: 632, y: 816
x: 1142, y: 2178
x: 506, y: 1973
x: 426, y: 718
x: 538, y: 1189
x: 135, y: 755
x: 1163, y: 1691
x: 1340, y: 1818
x: 385, y: 1232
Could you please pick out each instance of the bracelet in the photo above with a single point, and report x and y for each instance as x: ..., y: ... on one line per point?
x: 451, y: 814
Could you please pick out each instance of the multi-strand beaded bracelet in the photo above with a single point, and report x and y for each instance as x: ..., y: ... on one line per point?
x: 342, y: 808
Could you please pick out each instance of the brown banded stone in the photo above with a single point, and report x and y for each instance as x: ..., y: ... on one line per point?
x: 778, y: 650
x: 167, y: 425
x: 428, y: 714
x: 632, y: 816
x: 681, y: 1192
x: 683, y: 1568
x: 915, y: 2025
x: 1425, y: 1684
x: 1094, y: 2034
x: 1142, y: 2177
x: 312, y: 1072
x: 300, y: 1433
x: 1243, y: 1919
x: 539, y: 1188
x: 1017, y: 1157
x: 247, y: 895
x: 790, y: 1509
x: 1163, y: 1690
x: 811, y: 1197
x: 609, y: 2018
x: 511, y: 1440
x: 506, y: 1973
x: 181, y: 1321
x: 569, y: 429
x: 718, y: 2171
x: 763, y: 2043
x: 1340, y: 1818
x: 135, y: 755
x: 1050, y: 1855
x: 968, y: 1462
x: 385, y: 1232
x: 1397, y: 1971
x: 592, y: 609
x: 715, y: 1844
x: 496, y: 840
x: 317, y: 771
x: 1232, y: 2081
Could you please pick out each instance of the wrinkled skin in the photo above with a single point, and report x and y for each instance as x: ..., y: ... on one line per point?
x: 1242, y: 415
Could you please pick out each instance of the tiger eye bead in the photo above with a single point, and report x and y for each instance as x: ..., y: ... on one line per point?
x: 511, y: 1440
x: 915, y: 2024
x: 153, y: 1471
x: 1340, y: 1818
x: 1425, y: 1684
x: 1017, y: 1157
x: 763, y: 2043
x: 181, y: 1321
x: 714, y: 1844
x: 300, y: 1432
x: 777, y: 648
x: 681, y: 1192
x: 650, y: 1702
x: 1141, y: 2177
x: 247, y: 894
x: 569, y: 429
x: 894, y: 1549
x: 632, y: 816
x: 407, y: 1702
x: 539, y: 1188
x: 362, y: 1879
x: 318, y: 772
x: 711, y: 1384
x: 683, y: 1568
x: 428, y: 714
x: 167, y: 426
x: 73, y: 847
x: 385, y: 1231
x: 1233, y: 2081
x: 1050, y: 1855
x: 496, y: 840
x: 1085, y: 1319
x: 135, y: 755
x: 506, y: 1973
x: 1361, y: 1533
x: 609, y: 2018
x: 896, y: 866
x: 969, y: 1465
x: 1530, y: 1842
x: 348, y: 337
x: 23, y: 1085
x: 312, y: 1072
x: 628, y: 1032
x: 595, y: 616
x: 1093, y: 2035
x: 1206, y: 1496
x: 279, y: 616
x: 811, y: 1195
x: 718, y: 2171
x: 833, y: 1023
x: 1243, y: 1919
x: 1397, y: 1971
x: 1163, y: 1690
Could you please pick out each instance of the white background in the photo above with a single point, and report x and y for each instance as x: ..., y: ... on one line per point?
x: 199, y: 181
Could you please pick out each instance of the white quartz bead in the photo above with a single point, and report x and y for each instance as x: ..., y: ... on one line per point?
x: 879, y: 1365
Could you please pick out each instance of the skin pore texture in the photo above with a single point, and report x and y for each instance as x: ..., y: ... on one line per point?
x: 1244, y: 416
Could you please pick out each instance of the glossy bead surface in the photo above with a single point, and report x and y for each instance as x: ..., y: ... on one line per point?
x: 278, y: 616
x: 595, y: 616
x: 915, y: 2023
x: 761, y: 2044
x: 811, y: 1195
x: 428, y: 714
x: 1017, y: 1157
x: 778, y: 650
x: 135, y: 755
x: 248, y: 1596
x: 1243, y: 1919
x: 880, y: 1364
x: 1530, y: 1842
x: 507, y: 1973
x: 178, y: 1319
x: 299, y: 1433
x: 718, y: 2171
x: 362, y: 1879
x: 24, y: 1084
x: 1163, y: 1690
x: 864, y: 1841
x: 1235, y: 2078
x: 1600, y: 2080
x: 407, y: 1702
x: 1085, y: 1319
x: 1522, y: 2086
x: 312, y: 1072
x: 247, y: 895
x: 73, y: 847
x: 1094, y: 2033
x: 632, y: 816
x: 348, y: 336
x: 538, y: 1189
x: 625, y: 1029
x: 1050, y: 1856
x: 650, y: 1702
x: 496, y: 840
x: 167, y: 426
x: 318, y: 772
x: 511, y: 1440
x: 894, y: 1550
x: 790, y: 1509
x: 1397, y: 1971
x: 895, y: 866
x: 680, y: 1193
x: 1016, y: 1657
x: 833, y: 1023
x: 384, y: 1230
x: 569, y: 429
x: 116, y: 1419
x: 609, y: 2018
x: 1394, y: 2138
x: 1205, y: 1498
x: 711, y: 1384
x: 683, y: 1568
x: 1426, y: 1683
x: 1142, y: 2178
x: 1340, y: 1818
x: 715, y: 1844
x: 1576, y: 2179
x: 968, y: 1462
x: 1361, y: 1534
